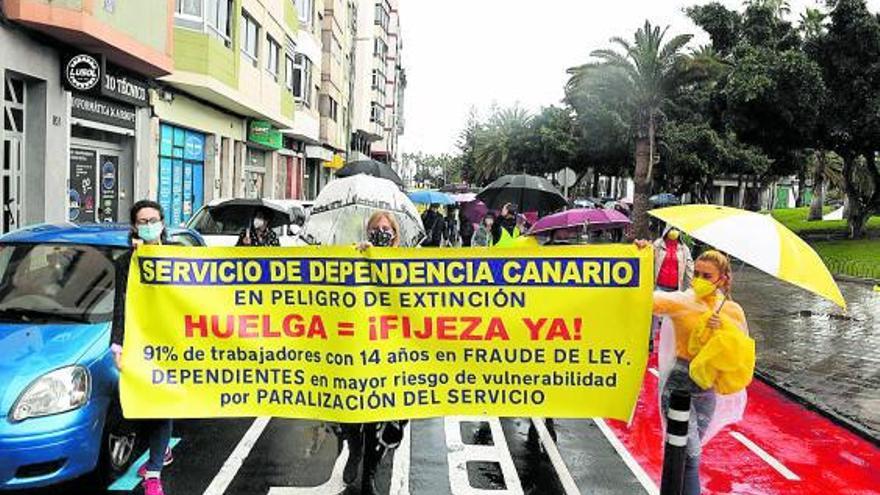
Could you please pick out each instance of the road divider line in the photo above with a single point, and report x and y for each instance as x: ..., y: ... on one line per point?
x: 766, y: 457
x: 400, y: 465
x: 630, y: 461
x: 562, y: 471
x: 130, y: 480
x: 233, y: 463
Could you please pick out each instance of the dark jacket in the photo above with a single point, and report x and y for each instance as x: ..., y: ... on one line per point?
x: 466, y: 232
x: 117, y: 332
x: 435, y: 226
x: 269, y: 238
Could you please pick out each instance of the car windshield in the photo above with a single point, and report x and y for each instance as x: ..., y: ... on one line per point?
x: 56, y: 282
x: 224, y: 220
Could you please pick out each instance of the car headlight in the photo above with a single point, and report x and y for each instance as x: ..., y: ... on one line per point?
x: 62, y: 390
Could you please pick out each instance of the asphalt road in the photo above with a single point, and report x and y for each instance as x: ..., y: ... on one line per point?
x: 458, y: 456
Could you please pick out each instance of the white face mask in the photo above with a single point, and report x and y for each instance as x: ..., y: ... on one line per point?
x: 259, y: 223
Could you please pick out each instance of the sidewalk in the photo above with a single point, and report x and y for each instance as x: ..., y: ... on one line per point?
x: 830, y: 362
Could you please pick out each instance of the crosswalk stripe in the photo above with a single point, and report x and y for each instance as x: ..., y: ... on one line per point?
x: 401, y: 462
x: 233, y: 463
x: 562, y: 471
x: 459, y: 454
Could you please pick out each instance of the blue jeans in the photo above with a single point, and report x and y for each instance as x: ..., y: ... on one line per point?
x: 702, y: 410
x: 159, y: 436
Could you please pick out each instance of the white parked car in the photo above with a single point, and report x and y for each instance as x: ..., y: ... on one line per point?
x: 222, y: 220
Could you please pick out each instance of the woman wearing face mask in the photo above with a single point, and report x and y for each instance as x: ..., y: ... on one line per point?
x: 370, y: 441
x: 704, y: 350
x: 258, y: 233
x: 483, y: 237
x: 147, y: 227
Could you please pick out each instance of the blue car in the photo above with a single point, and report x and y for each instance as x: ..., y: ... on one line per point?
x: 59, y: 411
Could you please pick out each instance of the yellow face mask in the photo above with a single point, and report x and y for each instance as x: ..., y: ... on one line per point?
x: 702, y: 287
x: 673, y: 235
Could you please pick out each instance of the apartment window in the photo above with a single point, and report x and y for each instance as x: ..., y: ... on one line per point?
x: 332, y: 109
x: 217, y: 19
x: 289, y: 50
x: 188, y: 8
x: 273, y: 50
x: 379, y: 80
x: 250, y: 36
x: 306, y: 10
x: 380, y: 49
x: 302, y: 79
x: 383, y: 18
x: 377, y: 113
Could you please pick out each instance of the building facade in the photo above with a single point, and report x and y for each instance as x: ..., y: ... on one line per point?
x: 187, y: 101
x: 76, y: 131
x: 218, y: 117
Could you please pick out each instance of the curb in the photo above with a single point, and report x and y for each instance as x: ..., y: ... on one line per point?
x: 834, y: 416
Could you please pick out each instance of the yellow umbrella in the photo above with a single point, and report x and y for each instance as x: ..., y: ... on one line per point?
x: 760, y: 241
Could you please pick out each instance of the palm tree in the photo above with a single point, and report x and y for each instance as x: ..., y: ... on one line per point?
x: 497, y: 143
x: 813, y: 23
x: 638, y: 80
x: 780, y: 8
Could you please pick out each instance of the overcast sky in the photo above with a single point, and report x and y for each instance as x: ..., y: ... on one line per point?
x: 464, y: 53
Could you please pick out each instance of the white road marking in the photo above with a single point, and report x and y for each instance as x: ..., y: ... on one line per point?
x: 233, y: 463
x: 333, y: 486
x: 459, y: 454
x: 769, y: 459
x: 630, y: 461
x: 562, y: 472
x: 400, y: 466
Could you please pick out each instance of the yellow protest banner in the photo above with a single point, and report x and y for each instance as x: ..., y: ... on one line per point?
x: 330, y: 333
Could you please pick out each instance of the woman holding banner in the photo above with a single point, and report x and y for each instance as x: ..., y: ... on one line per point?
x: 370, y: 441
x: 147, y: 227
x: 705, y: 351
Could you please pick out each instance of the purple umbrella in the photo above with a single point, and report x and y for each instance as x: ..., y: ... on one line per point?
x: 474, y: 211
x: 593, y: 218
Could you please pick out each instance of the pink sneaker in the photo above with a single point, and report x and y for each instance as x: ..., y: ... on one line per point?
x: 153, y: 486
x: 169, y: 458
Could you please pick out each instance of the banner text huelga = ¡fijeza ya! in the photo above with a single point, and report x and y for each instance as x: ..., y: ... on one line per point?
x: 333, y: 334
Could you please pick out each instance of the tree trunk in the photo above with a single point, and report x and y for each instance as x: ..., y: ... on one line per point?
x: 818, y: 188
x: 595, y: 188
x: 642, y: 189
x: 802, y: 182
x: 857, y: 217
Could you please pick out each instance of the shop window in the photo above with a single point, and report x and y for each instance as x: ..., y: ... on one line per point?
x: 181, y: 172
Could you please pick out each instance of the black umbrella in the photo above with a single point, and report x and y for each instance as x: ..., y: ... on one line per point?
x: 241, y: 211
x: 370, y: 167
x: 528, y: 192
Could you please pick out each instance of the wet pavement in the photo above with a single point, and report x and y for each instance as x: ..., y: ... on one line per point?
x: 813, y: 349
x: 456, y: 456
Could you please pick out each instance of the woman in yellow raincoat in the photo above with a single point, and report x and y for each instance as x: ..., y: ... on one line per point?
x: 704, y: 350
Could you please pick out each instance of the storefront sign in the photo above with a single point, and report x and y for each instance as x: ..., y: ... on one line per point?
x: 262, y: 133
x: 82, y: 193
x: 83, y: 72
x: 86, y: 107
x: 90, y: 74
x: 125, y: 88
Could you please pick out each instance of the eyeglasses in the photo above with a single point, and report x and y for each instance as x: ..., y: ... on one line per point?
x: 147, y: 221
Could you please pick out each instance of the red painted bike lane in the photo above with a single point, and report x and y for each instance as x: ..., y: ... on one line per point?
x: 780, y: 447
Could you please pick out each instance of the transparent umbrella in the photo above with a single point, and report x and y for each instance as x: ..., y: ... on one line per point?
x: 340, y: 213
